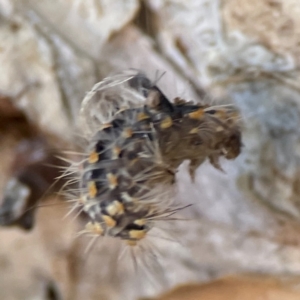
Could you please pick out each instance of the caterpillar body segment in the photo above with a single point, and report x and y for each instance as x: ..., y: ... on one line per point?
x: 137, y: 140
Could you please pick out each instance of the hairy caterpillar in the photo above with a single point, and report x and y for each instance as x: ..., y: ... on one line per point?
x: 137, y: 139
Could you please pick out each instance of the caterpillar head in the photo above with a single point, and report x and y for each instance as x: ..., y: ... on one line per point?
x: 194, y: 132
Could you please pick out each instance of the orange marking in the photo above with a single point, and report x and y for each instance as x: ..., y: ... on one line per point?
x: 115, y: 208
x: 94, y: 228
x: 127, y: 133
x: 140, y: 222
x: 198, y: 114
x: 92, y: 189
x: 116, y: 152
x: 142, y: 116
x: 112, y: 180
x: 109, y: 221
x: 137, y: 234
x: 166, y: 123
x: 93, y: 158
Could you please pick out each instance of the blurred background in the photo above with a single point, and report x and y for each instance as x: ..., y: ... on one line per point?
x: 244, y: 223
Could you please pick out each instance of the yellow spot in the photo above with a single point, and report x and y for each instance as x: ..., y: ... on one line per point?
x: 109, y: 221
x: 127, y: 133
x: 93, y: 157
x: 116, y: 152
x: 142, y: 116
x: 131, y: 243
x: 92, y: 189
x: 112, y: 180
x: 140, y: 222
x: 219, y: 128
x: 115, y: 208
x: 166, y: 123
x: 197, y: 114
x: 137, y: 234
x: 94, y: 228
x: 194, y: 130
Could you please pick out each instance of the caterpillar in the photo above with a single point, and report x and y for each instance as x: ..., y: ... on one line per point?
x: 137, y: 139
